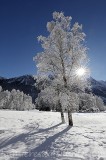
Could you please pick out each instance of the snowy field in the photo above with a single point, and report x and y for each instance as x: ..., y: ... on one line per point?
x: 34, y: 135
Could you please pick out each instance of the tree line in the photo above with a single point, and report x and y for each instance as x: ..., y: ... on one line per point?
x: 15, y: 100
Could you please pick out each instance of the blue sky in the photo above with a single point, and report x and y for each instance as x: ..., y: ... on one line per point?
x: 21, y: 21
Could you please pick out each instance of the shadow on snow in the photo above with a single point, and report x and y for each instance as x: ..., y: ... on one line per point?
x: 38, y: 152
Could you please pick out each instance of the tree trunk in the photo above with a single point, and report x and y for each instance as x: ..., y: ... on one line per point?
x: 62, y: 116
x: 70, y: 120
x: 61, y: 112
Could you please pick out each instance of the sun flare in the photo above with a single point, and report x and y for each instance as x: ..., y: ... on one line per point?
x: 81, y: 71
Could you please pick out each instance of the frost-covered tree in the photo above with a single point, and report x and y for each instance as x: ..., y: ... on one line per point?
x: 47, y: 99
x: 27, y: 102
x: 100, y: 103
x: 63, y: 54
x: 87, y: 103
x: 90, y: 103
x: 15, y: 100
x: 0, y: 88
x: 3, y: 100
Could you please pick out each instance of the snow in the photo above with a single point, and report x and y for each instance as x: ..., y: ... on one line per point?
x: 35, y: 135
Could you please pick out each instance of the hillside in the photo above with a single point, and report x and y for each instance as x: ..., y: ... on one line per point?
x: 35, y: 135
x: 26, y: 84
x: 99, y: 88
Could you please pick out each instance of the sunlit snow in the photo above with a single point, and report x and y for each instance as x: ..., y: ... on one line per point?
x: 35, y: 135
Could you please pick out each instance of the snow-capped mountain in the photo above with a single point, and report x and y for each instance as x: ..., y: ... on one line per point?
x: 26, y: 80
x: 99, y: 88
x: 97, y: 83
x: 26, y: 84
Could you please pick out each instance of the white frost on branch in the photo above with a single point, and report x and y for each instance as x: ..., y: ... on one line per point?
x: 64, y: 52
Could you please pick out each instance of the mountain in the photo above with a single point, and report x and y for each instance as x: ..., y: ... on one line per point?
x: 1, y: 78
x: 99, y: 88
x: 26, y: 84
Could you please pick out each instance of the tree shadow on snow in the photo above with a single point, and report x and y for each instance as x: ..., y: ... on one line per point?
x: 38, y: 153
x: 22, y: 137
x: 46, y: 130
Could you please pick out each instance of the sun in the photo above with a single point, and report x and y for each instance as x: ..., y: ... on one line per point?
x: 80, y: 71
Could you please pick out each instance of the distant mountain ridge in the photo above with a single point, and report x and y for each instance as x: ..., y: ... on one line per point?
x: 99, y: 88
x: 26, y: 83
x: 1, y: 78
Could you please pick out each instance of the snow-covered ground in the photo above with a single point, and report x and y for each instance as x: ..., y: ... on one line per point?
x: 34, y: 135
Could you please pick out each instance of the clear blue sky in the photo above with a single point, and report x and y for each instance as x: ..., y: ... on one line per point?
x: 21, y: 21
